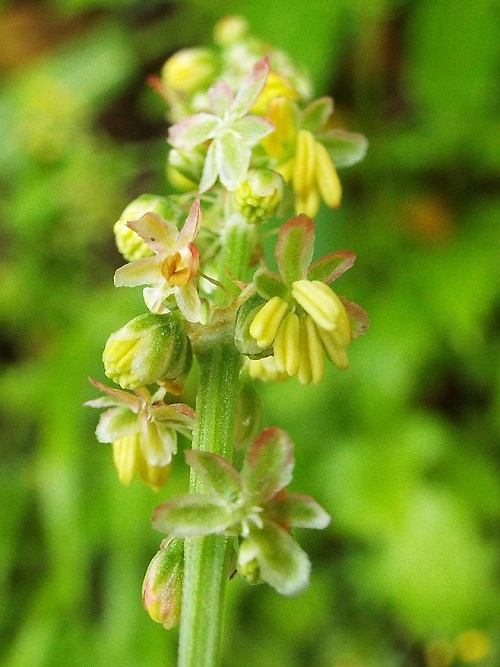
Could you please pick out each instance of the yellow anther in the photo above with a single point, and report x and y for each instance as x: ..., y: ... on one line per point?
x: 315, y: 352
x: 319, y: 301
x: 286, y: 345
x: 304, y: 373
x: 125, y: 456
x: 335, y: 347
x: 327, y: 177
x: 305, y: 163
x: 266, y: 323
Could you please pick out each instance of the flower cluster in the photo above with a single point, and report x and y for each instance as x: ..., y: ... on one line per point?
x: 248, y: 149
x: 143, y: 431
x: 295, y: 317
x: 252, y: 504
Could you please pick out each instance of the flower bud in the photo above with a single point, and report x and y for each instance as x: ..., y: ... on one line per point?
x: 130, y: 244
x: 150, y: 348
x: 184, y: 168
x: 188, y: 70
x: 259, y: 196
x: 162, y: 587
x: 229, y: 30
x: 243, y: 340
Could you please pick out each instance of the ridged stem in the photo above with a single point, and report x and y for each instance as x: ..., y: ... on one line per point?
x: 206, y: 570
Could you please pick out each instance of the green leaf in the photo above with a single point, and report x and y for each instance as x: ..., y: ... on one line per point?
x: 282, y: 563
x: 296, y: 510
x: 216, y: 473
x: 268, y: 465
x: 345, y: 148
x: 294, y: 248
x: 192, y: 515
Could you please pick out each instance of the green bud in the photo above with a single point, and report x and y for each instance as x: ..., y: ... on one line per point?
x: 229, y: 30
x: 184, y: 168
x: 259, y: 196
x: 149, y: 349
x: 130, y: 244
x: 244, y: 342
x: 189, y: 70
x: 162, y: 587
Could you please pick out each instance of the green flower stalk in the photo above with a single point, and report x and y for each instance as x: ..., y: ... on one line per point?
x: 247, y: 147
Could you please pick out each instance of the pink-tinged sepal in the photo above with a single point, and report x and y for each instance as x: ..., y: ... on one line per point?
x: 193, y: 130
x: 154, y: 231
x: 358, y: 317
x: 268, y: 465
x: 251, y: 88
x: 217, y: 474
x: 191, y: 227
x: 330, y: 267
x: 220, y: 98
x: 294, y: 248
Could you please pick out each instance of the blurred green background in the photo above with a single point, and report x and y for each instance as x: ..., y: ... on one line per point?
x: 402, y: 449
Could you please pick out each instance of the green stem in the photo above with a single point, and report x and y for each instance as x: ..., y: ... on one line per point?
x: 206, y: 571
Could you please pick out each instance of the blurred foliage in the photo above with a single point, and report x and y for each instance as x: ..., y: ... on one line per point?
x: 402, y: 449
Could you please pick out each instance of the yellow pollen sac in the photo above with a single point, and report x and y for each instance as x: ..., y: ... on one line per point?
x: 335, y: 347
x: 125, y: 456
x: 265, y: 324
x: 175, y: 271
x: 265, y: 370
x: 304, y: 373
x: 305, y: 163
x: 327, y: 177
x: 315, y: 352
x: 286, y: 345
x: 319, y: 301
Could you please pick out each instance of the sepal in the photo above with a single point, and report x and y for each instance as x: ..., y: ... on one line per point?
x: 345, y: 148
x: 268, y: 465
x: 272, y: 555
x: 193, y: 515
x: 294, y: 248
x: 244, y: 342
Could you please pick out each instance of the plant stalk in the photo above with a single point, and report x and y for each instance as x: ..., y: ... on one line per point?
x: 206, y: 570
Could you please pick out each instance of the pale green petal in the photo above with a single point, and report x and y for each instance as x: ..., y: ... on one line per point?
x: 233, y: 159
x: 117, y: 423
x: 145, y: 271
x: 209, y: 175
x: 193, y: 130
x: 252, y: 129
x: 189, y: 302
x: 251, y: 87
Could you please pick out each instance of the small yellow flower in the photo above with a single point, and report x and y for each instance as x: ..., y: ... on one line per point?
x: 302, y: 333
x: 298, y: 146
